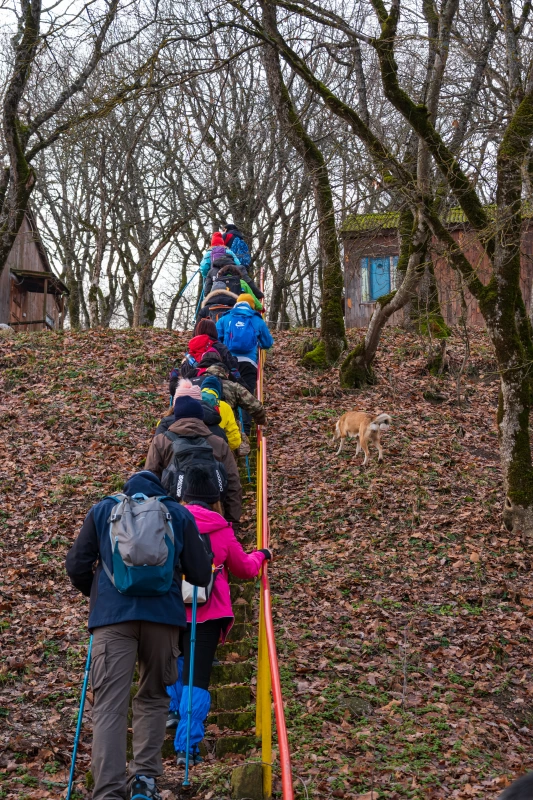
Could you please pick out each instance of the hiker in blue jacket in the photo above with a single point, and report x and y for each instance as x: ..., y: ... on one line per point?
x: 244, y: 331
x: 127, y: 628
x: 233, y: 238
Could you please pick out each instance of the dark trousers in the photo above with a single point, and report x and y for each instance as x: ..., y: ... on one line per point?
x: 249, y: 377
x: 207, y: 638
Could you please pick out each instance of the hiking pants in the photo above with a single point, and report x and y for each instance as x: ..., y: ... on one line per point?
x: 248, y: 374
x: 116, y: 649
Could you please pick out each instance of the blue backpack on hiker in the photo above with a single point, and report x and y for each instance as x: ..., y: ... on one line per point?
x: 142, y: 546
x: 242, y: 335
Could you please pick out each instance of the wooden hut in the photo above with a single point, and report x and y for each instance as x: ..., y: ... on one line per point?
x: 371, y: 247
x: 31, y: 296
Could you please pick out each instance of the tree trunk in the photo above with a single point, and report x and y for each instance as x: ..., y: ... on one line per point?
x: 21, y: 174
x: 503, y: 308
x: 332, y: 333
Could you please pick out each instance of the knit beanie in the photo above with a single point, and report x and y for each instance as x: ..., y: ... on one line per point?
x: 246, y: 298
x: 217, y: 240
x: 212, y: 382
x: 185, y: 407
x: 187, y: 389
x: 210, y: 397
x: 199, y: 485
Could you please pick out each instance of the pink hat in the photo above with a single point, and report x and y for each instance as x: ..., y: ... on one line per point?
x: 186, y: 389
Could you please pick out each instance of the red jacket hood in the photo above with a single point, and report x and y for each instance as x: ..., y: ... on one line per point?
x: 217, y: 240
x: 199, y: 344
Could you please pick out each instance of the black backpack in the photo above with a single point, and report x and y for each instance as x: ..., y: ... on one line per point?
x: 188, y: 451
x: 215, y: 312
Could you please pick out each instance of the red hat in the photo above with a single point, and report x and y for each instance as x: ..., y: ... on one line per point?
x: 217, y: 240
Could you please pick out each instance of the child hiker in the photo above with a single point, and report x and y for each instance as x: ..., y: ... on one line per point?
x: 215, y: 618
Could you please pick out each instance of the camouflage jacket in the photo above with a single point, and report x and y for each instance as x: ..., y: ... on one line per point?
x: 237, y: 395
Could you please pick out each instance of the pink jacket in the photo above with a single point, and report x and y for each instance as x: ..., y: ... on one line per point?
x: 230, y: 556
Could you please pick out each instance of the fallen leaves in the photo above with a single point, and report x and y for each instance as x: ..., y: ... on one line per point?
x: 403, y: 614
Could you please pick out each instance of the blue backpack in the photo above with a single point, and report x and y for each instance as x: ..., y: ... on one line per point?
x: 242, y: 334
x: 240, y: 248
x: 142, y: 546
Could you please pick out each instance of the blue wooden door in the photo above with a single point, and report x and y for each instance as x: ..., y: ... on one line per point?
x: 379, y: 277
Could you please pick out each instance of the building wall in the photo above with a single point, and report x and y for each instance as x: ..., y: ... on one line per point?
x: 385, y: 242
x: 13, y: 304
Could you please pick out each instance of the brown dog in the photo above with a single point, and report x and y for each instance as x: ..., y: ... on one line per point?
x: 363, y: 427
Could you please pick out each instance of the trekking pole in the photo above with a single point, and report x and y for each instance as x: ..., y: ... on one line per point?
x: 188, y: 283
x: 199, y: 302
x: 80, y: 718
x: 186, y: 781
x: 246, y: 457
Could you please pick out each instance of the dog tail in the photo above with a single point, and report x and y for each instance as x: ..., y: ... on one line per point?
x: 381, y: 423
x: 337, y: 430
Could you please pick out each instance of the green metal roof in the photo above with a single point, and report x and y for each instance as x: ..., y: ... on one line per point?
x: 388, y: 220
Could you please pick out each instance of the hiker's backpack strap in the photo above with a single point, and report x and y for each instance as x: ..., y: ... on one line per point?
x: 171, y: 436
x: 168, y: 515
x: 117, y: 498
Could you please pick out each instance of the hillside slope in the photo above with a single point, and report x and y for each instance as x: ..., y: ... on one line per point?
x: 403, y: 613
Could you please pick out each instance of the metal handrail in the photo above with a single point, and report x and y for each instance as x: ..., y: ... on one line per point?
x: 268, y: 679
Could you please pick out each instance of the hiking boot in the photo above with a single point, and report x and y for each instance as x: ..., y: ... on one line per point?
x: 143, y: 788
x: 172, y: 720
x: 194, y: 758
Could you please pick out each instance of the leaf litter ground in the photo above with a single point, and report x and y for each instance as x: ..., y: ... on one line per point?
x: 403, y: 612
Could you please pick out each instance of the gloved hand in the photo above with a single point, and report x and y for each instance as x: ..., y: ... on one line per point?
x: 260, y: 417
x: 267, y: 553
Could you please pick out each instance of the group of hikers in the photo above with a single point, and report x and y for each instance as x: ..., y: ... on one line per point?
x: 175, y: 526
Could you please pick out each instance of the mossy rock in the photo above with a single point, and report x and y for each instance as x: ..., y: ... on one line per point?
x: 242, y: 612
x: 230, y: 698
x: 234, y: 720
x: 247, y: 782
x: 357, y: 706
x: 435, y: 397
x: 245, y: 590
x: 316, y: 358
x: 167, y: 751
x: 222, y: 674
x: 308, y: 346
x: 239, y: 631
x: 242, y: 649
x: 234, y: 744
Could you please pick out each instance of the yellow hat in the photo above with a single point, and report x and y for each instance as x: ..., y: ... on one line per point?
x: 246, y: 298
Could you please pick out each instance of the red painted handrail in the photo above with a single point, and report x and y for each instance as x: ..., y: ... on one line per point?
x: 287, y: 792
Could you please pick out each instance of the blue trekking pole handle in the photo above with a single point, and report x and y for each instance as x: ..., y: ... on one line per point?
x: 189, y: 282
x: 186, y: 781
x: 200, y: 301
x: 80, y: 718
x: 246, y: 457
